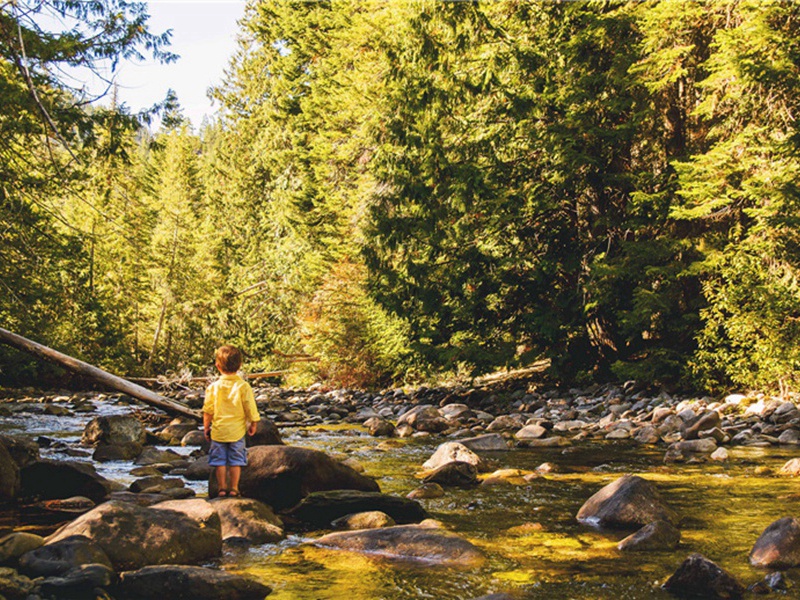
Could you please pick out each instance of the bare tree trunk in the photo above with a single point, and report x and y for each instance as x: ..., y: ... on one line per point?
x: 112, y: 381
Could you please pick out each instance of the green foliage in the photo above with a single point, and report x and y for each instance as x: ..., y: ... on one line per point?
x: 422, y: 187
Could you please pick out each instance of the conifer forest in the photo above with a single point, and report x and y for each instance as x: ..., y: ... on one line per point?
x: 413, y: 190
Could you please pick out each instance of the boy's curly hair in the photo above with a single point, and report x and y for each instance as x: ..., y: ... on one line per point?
x: 228, y: 358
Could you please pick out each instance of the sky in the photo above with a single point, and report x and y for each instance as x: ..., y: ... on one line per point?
x: 204, y: 35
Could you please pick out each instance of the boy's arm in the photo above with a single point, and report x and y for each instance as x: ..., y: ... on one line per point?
x: 251, y: 410
x: 207, y: 425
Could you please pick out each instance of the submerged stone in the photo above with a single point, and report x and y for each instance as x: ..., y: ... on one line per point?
x: 409, y: 542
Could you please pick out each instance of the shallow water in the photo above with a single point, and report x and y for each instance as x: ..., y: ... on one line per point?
x: 535, y: 547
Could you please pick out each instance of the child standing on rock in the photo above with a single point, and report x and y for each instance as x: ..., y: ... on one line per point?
x: 229, y: 411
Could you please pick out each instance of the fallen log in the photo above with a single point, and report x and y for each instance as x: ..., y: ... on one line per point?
x: 118, y: 383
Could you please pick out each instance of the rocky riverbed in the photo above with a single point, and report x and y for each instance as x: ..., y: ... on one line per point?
x: 507, y: 489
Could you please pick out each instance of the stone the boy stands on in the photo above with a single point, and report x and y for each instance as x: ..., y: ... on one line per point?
x: 229, y: 411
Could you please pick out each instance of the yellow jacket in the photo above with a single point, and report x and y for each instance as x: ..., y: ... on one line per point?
x: 231, y: 404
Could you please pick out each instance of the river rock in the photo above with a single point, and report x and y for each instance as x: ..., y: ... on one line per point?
x: 13, y: 585
x: 531, y: 432
x: 778, y: 547
x: 58, y: 557
x: 195, y: 438
x: 243, y: 519
x: 123, y: 451
x: 792, y: 468
x: 155, y: 484
x: 719, y: 455
x: 453, y: 452
x: 50, y: 479
x: 140, y: 499
x: 426, y: 491
x: 133, y: 536
x: 708, y: 420
x: 320, y: 509
x: 267, y: 434
x: 281, y: 476
x: 379, y: 427
x: 153, y: 456
x: 80, y: 582
x: 178, y: 582
x: 9, y: 476
x: 505, y: 423
x: 372, y: 519
x: 176, y: 430
x: 198, y: 470
x: 454, y: 474
x: 407, y: 542
x: 555, y: 441
x: 630, y: 501
x: 14, y: 545
x: 202, y: 512
x: 698, y: 577
x: 456, y: 412
x: 23, y: 450
x: 647, y: 435
x: 701, y: 446
x: 658, y: 535
x: 789, y: 437
x: 425, y: 418
x: 115, y: 429
x: 489, y: 442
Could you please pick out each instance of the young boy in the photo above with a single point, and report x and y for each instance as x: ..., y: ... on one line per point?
x: 229, y: 411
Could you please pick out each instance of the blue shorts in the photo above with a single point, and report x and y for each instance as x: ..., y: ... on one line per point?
x: 227, y: 454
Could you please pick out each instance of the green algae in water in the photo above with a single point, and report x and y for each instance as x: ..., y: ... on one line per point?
x: 535, y: 547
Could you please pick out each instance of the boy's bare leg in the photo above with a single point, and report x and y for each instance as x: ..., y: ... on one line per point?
x: 235, y: 474
x: 222, y: 478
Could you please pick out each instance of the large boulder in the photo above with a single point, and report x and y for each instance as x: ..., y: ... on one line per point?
x: 51, y: 479
x: 62, y: 556
x: 247, y: 520
x: 453, y: 452
x: 407, y: 542
x: 778, y: 547
x: 267, y: 434
x: 281, y: 476
x: 188, y: 583
x: 113, y: 430
x: 698, y: 577
x: 630, y: 501
x: 135, y: 536
x: 9, y: 476
x: 320, y: 509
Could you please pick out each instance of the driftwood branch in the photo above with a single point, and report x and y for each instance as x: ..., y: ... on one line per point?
x: 118, y: 383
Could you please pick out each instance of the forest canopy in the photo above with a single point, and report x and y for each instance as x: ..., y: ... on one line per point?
x: 409, y: 190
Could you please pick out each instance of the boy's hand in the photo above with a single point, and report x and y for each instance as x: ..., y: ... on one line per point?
x: 251, y: 429
x: 207, y: 432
